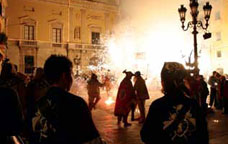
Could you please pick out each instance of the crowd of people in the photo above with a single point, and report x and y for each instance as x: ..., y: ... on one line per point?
x: 43, y: 111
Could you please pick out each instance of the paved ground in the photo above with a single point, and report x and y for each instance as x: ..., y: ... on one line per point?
x: 114, y: 134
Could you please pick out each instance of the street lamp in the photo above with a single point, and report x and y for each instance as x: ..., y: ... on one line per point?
x: 195, y: 24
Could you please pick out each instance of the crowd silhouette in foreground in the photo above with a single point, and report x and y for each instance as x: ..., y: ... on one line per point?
x: 41, y: 110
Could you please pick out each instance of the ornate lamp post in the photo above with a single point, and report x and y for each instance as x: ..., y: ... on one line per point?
x: 195, y: 23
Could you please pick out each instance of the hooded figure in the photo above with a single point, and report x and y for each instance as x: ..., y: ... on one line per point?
x: 175, y: 118
x: 124, y: 98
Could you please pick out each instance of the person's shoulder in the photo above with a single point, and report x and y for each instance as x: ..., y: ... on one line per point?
x: 7, y: 93
x: 6, y: 90
x: 158, y: 102
x: 74, y: 98
x: 192, y: 102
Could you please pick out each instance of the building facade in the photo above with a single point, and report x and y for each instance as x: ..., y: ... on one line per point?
x: 38, y: 28
x: 218, y: 44
x: 3, y: 5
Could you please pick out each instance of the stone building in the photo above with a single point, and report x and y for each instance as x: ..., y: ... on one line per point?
x: 38, y: 28
x: 3, y: 5
x: 217, y: 45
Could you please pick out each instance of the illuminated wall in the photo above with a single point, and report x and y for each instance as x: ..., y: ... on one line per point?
x: 74, y: 20
x: 3, y: 4
x: 218, y: 43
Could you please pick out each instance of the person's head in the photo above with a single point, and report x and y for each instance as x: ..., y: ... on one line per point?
x: 93, y: 76
x: 7, y: 70
x: 172, y: 76
x: 137, y: 74
x: 214, y: 73
x: 58, y: 70
x: 39, y: 73
x: 129, y: 74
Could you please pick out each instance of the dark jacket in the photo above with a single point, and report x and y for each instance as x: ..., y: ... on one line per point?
x: 175, y: 121
x: 68, y: 116
x: 11, y: 121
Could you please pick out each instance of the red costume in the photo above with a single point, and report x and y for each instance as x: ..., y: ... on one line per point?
x: 124, y: 98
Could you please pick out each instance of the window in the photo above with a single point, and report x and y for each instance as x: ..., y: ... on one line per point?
x: 217, y: 16
x: 29, y: 64
x: 219, y: 54
x: 95, y: 37
x: 218, y: 36
x: 29, y: 32
x: 77, y: 33
x: 56, y: 35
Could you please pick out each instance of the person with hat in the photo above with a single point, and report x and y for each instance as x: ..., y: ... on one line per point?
x: 175, y: 118
x: 124, y: 99
x: 141, y: 94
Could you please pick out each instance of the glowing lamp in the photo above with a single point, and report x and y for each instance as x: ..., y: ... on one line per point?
x: 194, y: 7
x: 207, y: 11
x: 182, y: 12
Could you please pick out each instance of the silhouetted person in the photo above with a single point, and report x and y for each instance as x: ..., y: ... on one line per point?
x: 141, y: 94
x: 213, y: 82
x: 225, y: 97
x: 93, y: 87
x: 10, y: 79
x: 203, y: 93
x: 124, y: 99
x: 11, y: 121
x: 35, y: 90
x: 175, y: 118
x: 63, y: 118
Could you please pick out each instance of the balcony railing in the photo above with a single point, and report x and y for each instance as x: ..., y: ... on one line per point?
x: 28, y: 43
x: 73, y: 46
x: 86, y: 46
x: 59, y: 45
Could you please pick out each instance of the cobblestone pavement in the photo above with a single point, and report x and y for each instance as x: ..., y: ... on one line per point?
x: 106, y: 123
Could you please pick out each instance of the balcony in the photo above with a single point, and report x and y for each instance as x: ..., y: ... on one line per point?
x: 89, y: 47
x: 59, y: 45
x: 28, y: 43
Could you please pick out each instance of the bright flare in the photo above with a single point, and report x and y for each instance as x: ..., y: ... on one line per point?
x: 109, y: 101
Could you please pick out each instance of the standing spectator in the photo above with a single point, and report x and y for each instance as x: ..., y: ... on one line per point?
x: 225, y: 97
x: 36, y: 89
x: 11, y: 121
x: 203, y: 93
x: 10, y: 79
x: 213, y: 82
x: 141, y: 94
x: 63, y: 118
x: 219, y: 96
x: 124, y: 99
x: 93, y: 88
x: 175, y: 118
